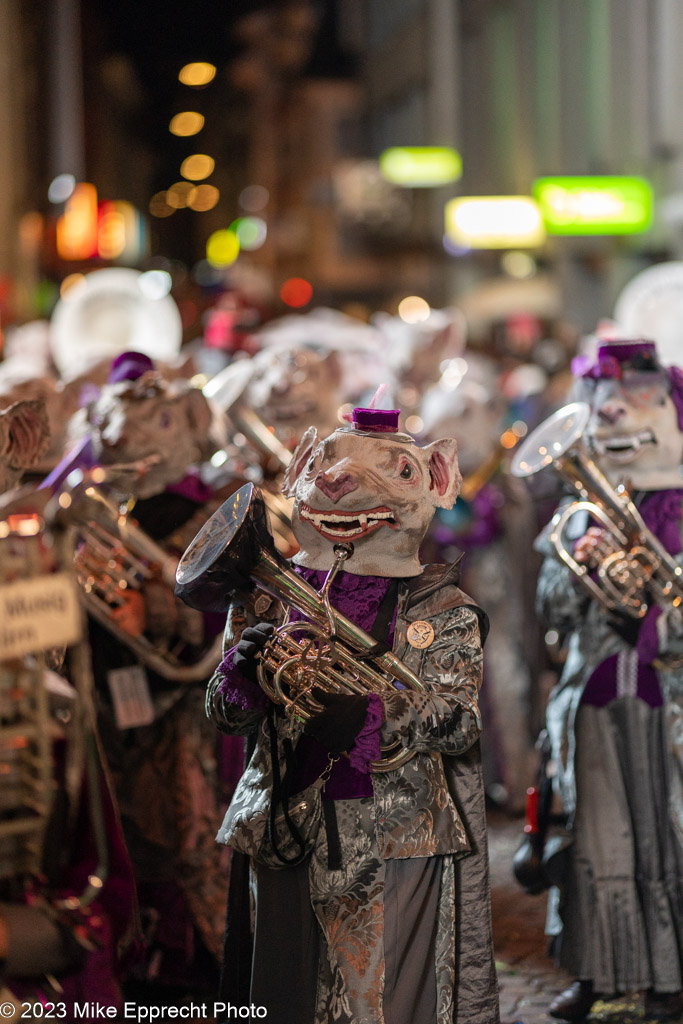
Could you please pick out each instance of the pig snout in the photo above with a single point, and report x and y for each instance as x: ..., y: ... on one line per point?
x: 611, y: 412
x: 335, y: 487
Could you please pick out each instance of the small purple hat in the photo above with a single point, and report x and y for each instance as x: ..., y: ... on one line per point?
x: 376, y: 421
x: 129, y: 366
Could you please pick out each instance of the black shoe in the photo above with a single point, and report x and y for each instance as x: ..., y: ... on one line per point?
x: 664, y: 1005
x: 575, y: 1002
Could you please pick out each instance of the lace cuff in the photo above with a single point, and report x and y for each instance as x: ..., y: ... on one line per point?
x: 367, y: 746
x: 236, y: 689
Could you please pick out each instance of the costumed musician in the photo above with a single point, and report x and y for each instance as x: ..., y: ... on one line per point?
x: 370, y: 868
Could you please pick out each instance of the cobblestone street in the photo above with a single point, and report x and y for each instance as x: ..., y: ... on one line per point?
x: 527, y: 978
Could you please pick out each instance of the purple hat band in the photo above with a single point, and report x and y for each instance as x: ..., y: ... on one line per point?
x: 613, y: 357
x: 129, y: 366
x: 376, y: 421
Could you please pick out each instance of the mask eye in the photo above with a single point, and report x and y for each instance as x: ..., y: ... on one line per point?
x: 407, y: 472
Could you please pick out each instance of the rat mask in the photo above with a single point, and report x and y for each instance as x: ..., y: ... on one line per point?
x: 636, y: 427
x: 372, y: 487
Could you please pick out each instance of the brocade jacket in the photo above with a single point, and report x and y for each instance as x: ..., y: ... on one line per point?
x: 416, y: 814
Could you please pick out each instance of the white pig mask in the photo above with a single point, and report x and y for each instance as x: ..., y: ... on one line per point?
x: 636, y: 427
x: 372, y: 487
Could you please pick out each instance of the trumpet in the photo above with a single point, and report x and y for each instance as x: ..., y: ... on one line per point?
x: 227, y: 390
x: 114, y: 560
x: 235, y: 551
x: 636, y: 569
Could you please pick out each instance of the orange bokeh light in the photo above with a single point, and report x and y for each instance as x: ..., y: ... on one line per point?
x: 296, y: 292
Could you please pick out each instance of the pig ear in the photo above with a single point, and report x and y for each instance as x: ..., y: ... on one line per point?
x: 445, y: 478
x: 25, y: 433
x: 299, y: 460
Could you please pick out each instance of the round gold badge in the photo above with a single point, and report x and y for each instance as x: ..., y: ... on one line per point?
x: 420, y: 634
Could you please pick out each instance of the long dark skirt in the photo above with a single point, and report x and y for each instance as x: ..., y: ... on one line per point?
x: 624, y: 908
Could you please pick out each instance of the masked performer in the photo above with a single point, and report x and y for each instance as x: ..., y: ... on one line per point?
x: 614, y: 718
x: 381, y: 912
x: 66, y: 883
x: 147, y: 648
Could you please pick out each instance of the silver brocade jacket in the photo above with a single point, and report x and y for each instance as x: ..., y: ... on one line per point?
x: 415, y: 812
x: 567, y: 607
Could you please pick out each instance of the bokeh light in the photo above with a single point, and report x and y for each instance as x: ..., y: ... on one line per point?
x: 155, y: 284
x: 197, y: 166
x: 413, y: 309
x: 296, y: 292
x: 520, y: 265
x: 189, y: 122
x: 69, y: 281
x: 159, y: 206
x: 254, y: 198
x: 222, y: 248
x: 198, y: 73
x: 251, y: 231
x: 178, y: 195
x: 203, y: 197
x: 414, y: 424
x: 61, y: 188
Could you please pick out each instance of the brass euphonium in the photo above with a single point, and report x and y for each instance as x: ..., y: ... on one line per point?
x: 115, y: 557
x: 636, y: 569
x: 235, y: 551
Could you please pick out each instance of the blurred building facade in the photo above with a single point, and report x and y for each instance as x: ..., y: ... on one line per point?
x: 309, y: 95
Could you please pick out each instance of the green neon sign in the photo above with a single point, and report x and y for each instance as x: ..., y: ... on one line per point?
x: 585, y: 205
x: 420, y: 166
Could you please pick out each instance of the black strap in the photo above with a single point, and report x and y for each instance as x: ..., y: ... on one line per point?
x: 334, y: 857
x: 280, y: 795
x: 382, y: 623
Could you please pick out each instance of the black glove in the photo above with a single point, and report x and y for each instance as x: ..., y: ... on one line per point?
x: 340, y: 721
x: 253, y: 640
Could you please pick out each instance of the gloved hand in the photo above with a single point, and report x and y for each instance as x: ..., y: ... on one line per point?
x: 340, y: 721
x: 253, y: 640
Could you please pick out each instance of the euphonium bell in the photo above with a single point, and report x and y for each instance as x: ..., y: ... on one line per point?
x: 636, y: 569
x: 235, y: 551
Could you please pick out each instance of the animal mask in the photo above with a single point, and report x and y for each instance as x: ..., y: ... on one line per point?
x: 291, y: 388
x: 134, y: 419
x: 24, y: 438
x: 370, y: 486
x: 636, y: 430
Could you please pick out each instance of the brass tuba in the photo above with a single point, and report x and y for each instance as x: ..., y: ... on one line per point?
x: 636, y: 569
x: 235, y: 550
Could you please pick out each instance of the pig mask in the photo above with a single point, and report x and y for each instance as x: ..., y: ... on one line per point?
x: 636, y: 427
x: 374, y: 488
x: 133, y: 419
x: 24, y: 438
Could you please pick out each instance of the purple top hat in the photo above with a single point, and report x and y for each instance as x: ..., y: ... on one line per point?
x: 129, y: 366
x: 376, y: 421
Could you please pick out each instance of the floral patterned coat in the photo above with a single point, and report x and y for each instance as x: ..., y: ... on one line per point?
x: 434, y: 804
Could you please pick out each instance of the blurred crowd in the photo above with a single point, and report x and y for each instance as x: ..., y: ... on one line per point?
x: 119, y: 441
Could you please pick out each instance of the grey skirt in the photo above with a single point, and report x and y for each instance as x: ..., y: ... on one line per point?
x: 623, y: 913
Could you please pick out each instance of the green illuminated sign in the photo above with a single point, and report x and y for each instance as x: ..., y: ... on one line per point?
x: 594, y: 205
x: 420, y: 166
